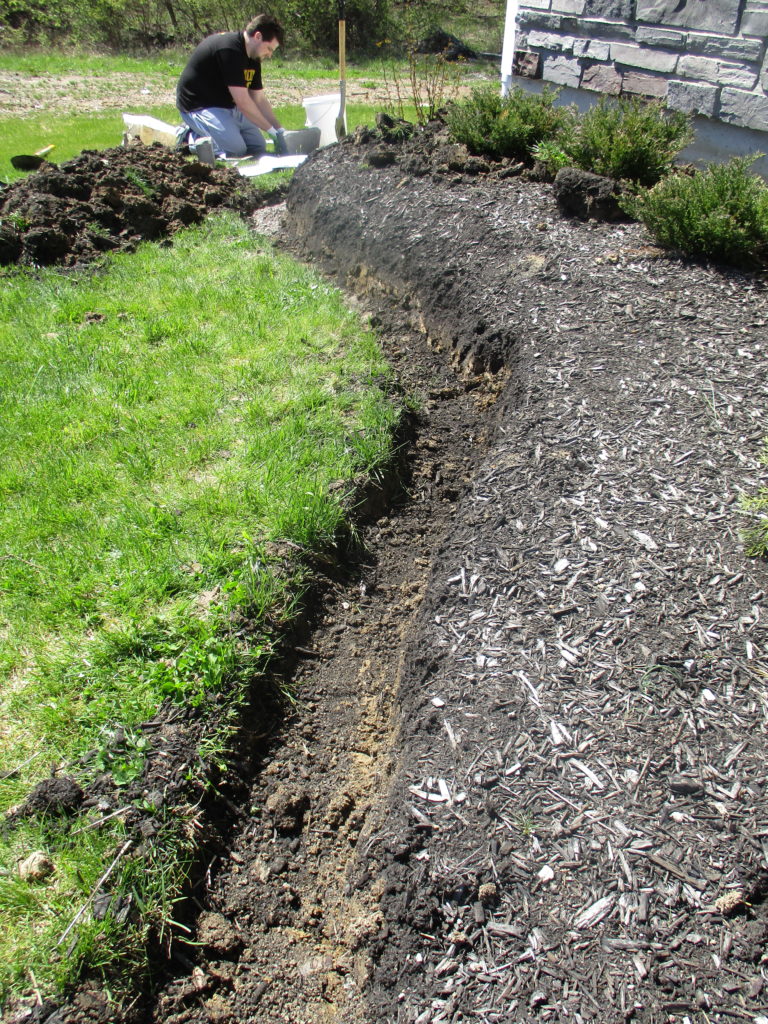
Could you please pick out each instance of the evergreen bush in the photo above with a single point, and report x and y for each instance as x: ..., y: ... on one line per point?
x: 628, y: 139
x: 510, y: 126
x: 720, y: 213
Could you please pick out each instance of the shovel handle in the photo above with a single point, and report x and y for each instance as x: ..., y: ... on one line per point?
x: 342, y: 49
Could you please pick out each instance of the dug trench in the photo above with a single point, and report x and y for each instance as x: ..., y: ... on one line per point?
x: 524, y: 777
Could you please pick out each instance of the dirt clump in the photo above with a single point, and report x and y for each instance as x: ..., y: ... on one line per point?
x: 59, y: 795
x: 72, y: 213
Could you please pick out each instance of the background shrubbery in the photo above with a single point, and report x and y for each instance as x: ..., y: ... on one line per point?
x: 311, y: 25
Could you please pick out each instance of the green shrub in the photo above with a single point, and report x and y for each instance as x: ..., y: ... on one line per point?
x: 629, y: 139
x: 510, y: 126
x: 551, y: 155
x: 720, y: 213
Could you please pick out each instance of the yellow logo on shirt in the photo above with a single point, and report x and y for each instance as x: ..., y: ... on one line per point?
x: 249, y: 73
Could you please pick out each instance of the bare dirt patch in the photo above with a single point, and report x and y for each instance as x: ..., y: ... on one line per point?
x: 24, y: 94
x: 525, y: 778
x: 113, y: 199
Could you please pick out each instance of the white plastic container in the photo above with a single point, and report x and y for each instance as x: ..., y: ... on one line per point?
x: 322, y: 112
x: 302, y: 141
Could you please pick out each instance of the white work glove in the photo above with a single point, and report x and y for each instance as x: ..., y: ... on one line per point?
x: 278, y: 134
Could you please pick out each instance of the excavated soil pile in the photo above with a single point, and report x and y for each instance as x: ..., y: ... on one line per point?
x: 112, y: 199
x: 525, y: 779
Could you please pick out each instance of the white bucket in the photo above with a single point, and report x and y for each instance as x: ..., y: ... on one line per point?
x: 322, y: 112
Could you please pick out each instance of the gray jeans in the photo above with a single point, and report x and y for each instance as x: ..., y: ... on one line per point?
x: 232, y: 134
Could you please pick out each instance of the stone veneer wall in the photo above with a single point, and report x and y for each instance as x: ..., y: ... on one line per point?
x: 705, y: 57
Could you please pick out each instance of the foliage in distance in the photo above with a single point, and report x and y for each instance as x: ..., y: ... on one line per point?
x: 161, y: 423
x: 137, y: 25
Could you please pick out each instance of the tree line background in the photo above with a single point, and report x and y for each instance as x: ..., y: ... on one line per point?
x: 138, y: 25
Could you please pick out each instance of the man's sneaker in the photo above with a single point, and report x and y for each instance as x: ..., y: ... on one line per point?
x: 183, y: 138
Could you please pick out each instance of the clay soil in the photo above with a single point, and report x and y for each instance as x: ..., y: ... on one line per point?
x: 525, y: 776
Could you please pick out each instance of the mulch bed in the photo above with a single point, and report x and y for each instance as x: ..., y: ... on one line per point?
x: 582, y: 779
x: 526, y: 780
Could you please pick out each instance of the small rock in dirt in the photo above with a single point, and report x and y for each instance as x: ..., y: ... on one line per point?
x: 219, y: 1010
x: 382, y: 156
x: 93, y: 1006
x: 487, y: 892
x: 286, y: 807
x: 316, y: 965
x: 339, y: 809
x: 685, y: 786
x: 36, y: 867
x: 216, y: 933
x: 476, y: 165
x: 10, y: 244
x: 278, y: 866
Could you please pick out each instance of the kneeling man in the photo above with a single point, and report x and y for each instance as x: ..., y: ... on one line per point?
x: 221, y: 94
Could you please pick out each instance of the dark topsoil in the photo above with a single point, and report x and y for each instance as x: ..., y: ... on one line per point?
x: 526, y: 778
x: 103, y: 201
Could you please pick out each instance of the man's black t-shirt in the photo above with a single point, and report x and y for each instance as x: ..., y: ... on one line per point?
x: 218, y: 62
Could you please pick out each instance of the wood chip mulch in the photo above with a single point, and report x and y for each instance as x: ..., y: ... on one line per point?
x: 579, y: 827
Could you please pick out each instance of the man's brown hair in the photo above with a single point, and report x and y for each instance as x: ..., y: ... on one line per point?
x: 269, y: 27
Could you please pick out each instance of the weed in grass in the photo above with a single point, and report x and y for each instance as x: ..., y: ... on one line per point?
x: 720, y: 213
x: 524, y: 822
x: 136, y: 179
x: 551, y: 155
x: 17, y: 220
x: 121, y: 753
x: 756, y: 536
x: 756, y: 506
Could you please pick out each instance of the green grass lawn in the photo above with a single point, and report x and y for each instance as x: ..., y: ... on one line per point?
x: 160, y: 423
x: 71, y: 135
